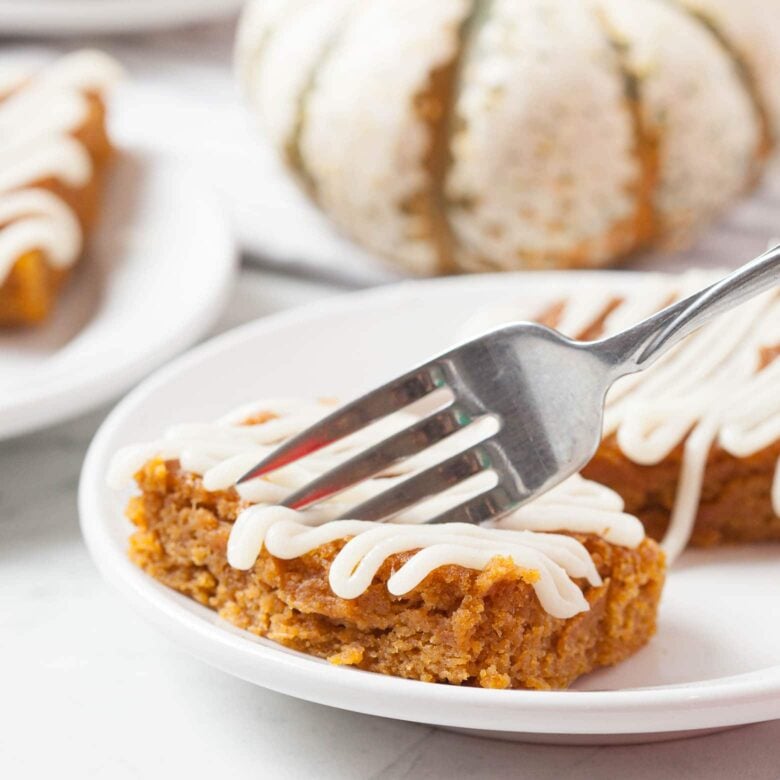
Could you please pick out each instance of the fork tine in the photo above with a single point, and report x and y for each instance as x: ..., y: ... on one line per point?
x: 405, y: 443
x: 492, y: 504
x: 433, y: 480
x: 369, y: 408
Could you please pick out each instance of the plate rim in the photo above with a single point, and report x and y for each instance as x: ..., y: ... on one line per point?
x: 75, y: 395
x: 79, y: 17
x: 748, y: 697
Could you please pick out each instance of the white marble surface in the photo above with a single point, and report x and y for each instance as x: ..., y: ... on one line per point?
x: 88, y: 690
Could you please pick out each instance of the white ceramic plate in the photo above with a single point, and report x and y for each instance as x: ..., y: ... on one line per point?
x: 81, y: 17
x: 714, y: 663
x: 156, y: 275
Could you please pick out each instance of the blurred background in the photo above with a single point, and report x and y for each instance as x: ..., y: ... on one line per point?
x: 182, y: 98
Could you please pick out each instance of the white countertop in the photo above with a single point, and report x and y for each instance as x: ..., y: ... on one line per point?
x: 89, y: 690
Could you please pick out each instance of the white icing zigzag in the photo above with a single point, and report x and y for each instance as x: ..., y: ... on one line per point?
x: 555, y: 559
x: 37, y: 119
x: 222, y: 451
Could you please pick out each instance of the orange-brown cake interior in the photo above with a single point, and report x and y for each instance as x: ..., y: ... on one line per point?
x: 460, y: 625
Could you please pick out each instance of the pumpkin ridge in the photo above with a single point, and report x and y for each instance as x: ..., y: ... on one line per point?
x: 292, y: 147
x: 480, y: 13
x: 435, y: 106
x: 244, y: 66
x: 646, y: 142
x: 492, y: 244
x: 746, y: 76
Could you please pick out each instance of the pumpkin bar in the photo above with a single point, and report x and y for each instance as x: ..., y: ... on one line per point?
x: 490, y: 623
x: 691, y: 444
x: 52, y: 165
x: 735, y: 506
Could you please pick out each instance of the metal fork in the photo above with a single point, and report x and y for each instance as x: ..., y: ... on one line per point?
x: 546, y: 391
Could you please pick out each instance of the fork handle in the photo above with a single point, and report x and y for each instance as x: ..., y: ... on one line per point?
x: 641, y: 345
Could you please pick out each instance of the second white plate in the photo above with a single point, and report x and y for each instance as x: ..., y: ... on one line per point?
x: 713, y: 664
x: 156, y: 276
x: 82, y: 17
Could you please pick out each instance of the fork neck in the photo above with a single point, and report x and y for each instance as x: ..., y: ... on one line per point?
x: 641, y: 345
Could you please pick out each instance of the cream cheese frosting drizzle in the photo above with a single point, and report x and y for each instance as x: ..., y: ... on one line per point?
x: 713, y: 388
x: 222, y: 451
x: 39, y: 114
x: 554, y: 559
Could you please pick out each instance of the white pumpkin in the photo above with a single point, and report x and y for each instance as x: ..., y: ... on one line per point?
x: 456, y: 135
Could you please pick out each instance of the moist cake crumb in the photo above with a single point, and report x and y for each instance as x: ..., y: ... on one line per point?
x: 459, y: 626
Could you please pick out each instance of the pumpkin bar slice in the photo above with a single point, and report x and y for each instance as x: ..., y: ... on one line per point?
x: 52, y: 162
x: 567, y: 584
